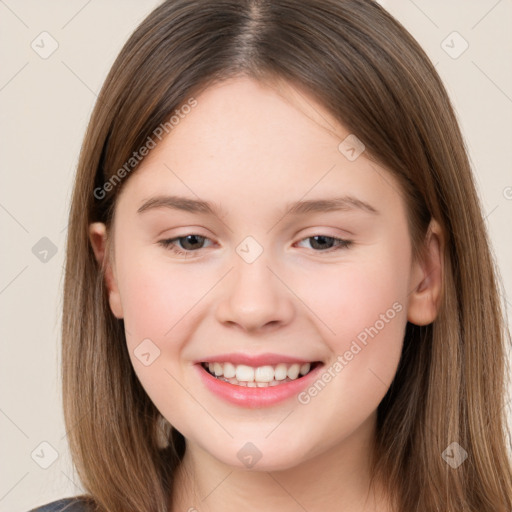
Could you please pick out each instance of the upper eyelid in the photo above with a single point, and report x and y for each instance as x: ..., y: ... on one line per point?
x: 174, y: 239
x: 318, y: 232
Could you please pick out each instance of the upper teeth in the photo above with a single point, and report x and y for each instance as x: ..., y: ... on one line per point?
x: 260, y: 374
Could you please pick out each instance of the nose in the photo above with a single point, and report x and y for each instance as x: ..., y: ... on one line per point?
x: 254, y: 297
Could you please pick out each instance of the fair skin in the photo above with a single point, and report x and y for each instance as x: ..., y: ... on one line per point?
x: 253, y: 149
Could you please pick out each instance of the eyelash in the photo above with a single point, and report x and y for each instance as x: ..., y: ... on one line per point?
x: 170, y: 245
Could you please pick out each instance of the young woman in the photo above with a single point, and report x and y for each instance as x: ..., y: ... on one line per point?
x: 279, y: 293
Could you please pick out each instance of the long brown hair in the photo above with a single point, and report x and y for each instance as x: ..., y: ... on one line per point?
x: 362, y: 65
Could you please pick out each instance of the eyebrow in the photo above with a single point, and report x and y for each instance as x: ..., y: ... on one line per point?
x: 344, y: 203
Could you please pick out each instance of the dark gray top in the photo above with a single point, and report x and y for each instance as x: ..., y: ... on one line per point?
x: 64, y: 505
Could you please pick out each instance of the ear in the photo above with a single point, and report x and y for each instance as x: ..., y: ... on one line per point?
x: 98, y: 238
x: 427, y: 278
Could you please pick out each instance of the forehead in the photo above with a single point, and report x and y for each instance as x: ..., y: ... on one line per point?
x: 249, y: 145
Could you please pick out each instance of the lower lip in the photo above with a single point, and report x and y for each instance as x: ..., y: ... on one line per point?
x: 256, y: 397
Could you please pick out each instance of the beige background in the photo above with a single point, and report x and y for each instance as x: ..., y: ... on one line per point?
x: 45, y: 104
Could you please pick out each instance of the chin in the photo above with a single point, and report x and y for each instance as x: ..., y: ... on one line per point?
x: 254, y: 456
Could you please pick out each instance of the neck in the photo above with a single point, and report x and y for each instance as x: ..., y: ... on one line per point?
x: 335, y: 479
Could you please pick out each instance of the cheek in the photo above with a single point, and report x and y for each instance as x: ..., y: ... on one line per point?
x: 362, y: 308
x: 155, y: 306
x: 164, y: 302
x: 153, y: 298
x: 352, y: 296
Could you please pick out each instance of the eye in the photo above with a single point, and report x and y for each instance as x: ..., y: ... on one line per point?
x: 321, y: 241
x: 325, y: 244
x: 190, y: 240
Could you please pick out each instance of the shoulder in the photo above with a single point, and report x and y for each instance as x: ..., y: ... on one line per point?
x: 76, y: 504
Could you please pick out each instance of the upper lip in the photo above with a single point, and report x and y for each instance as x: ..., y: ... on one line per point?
x: 255, y: 360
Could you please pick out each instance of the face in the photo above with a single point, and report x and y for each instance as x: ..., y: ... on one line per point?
x: 259, y: 282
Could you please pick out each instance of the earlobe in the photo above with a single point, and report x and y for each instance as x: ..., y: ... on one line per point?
x: 98, y: 238
x: 427, y: 279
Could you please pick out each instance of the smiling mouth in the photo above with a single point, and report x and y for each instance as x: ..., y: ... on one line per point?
x: 262, y: 376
